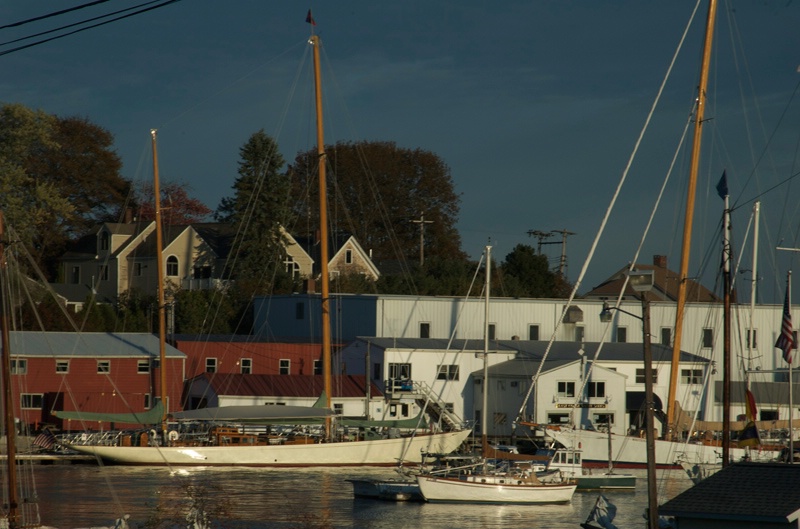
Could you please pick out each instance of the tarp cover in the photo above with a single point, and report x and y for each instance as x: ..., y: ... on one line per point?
x: 151, y: 416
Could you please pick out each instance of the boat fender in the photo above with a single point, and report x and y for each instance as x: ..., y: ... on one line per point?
x: 173, y: 435
x: 153, y: 436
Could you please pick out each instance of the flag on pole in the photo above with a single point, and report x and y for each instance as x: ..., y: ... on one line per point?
x: 722, y: 186
x: 46, y: 439
x: 310, y: 19
x: 785, y: 341
x: 749, y: 435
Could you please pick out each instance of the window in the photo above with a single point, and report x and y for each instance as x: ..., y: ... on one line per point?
x: 104, y: 366
x: 533, y: 332
x: 424, y: 330
x: 299, y: 311
x: 622, y: 334
x: 566, y: 389
x: 201, y: 272
x: 491, y: 331
x: 211, y: 365
x: 708, y: 338
x: 640, y: 378
x: 102, y: 272
x: 666, y: 336
x: 447, y: 372
x: 143, y: 366
x: 348, y: 256
x: 754, y: 342
x: 338, y: 409
x: 137, y: 269
x: 62, y: 366
x: 377, y: 371
x: 597, y: 389
x: 19, y: 366
x: 292, y: 267
x: 794, y: 338
x: 284, y: 366
x: 104, y: 241
x: 603, y: 418
x: 578, y: 334
x: 75, y: 276
x: 172, y: 266
x: 558, y: 418
x: 691, y: 376
x: 31, y: 401
x: 246, y: 366
x: 400, y: 371
x: 148, y: 401
x: 317, y: 367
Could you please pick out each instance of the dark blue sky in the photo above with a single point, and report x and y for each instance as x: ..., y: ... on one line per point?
x: 535, y: 106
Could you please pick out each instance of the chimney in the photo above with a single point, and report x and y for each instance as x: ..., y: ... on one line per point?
x: 128, y: 215
x: 309, y: 287
x: 660, y: 261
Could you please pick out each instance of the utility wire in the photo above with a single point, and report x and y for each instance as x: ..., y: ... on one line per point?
x: 12, y: 50
x: 55, y: 13
x: 76, y: 23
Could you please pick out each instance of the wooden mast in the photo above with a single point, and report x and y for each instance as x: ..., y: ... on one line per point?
x: 323, y: 235
x: 162, y: 337
x: 8, y: 394
x: 687, y: 225
x: 485, y: 403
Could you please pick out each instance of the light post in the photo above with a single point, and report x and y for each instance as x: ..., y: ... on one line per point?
x: 643, y: 282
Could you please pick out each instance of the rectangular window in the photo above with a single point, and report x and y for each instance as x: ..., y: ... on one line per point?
x: 603, y: 418
x: 691, y: 376
x: 794, y: 338
x: 752, y: 343
x: 666, y: 336
x: 492, y: 331
x: 558, y: 418
x: 400, y: 371
x: 19, y: 366
x: 317, y: 367
x: 597, y: 389
x: 348, y: 256
x: 31, y: 401
x: 137, y: 269
x: 622, y: 334
x: 338, y: 409
x: 640, y: 378
x: 299, y: 311
x: 143, y: 366
x: 211, y: 365
x: 377, y: 371
x: 424, y: 330
x: 284, y: 366
x: 533, y: 332
x: 102, y: 272
x: 578, y: 334
x: 447, y: 372
x: 62, y: 366
x: 708, y: 338
x: 104, y: 366
x: 566, y: 389
x: 148, y: 401
x: 246, y: 366
x: 75, y: 276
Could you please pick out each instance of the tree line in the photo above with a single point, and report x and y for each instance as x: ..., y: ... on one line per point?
x: 60, y: 178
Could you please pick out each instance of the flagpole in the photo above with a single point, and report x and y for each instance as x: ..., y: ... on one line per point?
x: 791, y: 404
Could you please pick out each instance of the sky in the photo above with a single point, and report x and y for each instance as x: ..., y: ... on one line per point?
x: 536, y: 107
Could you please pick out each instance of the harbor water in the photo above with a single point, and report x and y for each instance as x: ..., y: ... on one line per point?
x: 73, y: 496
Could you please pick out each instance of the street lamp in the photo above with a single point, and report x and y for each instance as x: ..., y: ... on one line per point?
x: 642, y: 281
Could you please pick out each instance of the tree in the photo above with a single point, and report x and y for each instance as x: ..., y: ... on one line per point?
x: 178, y: 207
x: 376, y: 191
x: 527, y: 274
x: 258, y: 210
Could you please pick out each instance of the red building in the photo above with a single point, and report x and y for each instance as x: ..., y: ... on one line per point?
x: 89, y: 372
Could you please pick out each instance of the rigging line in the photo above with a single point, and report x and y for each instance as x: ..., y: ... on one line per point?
x: 54, y: 13
x: 607, y: 215
x: 750, y: 200
x: 77, y: 23
x: 18, y: 48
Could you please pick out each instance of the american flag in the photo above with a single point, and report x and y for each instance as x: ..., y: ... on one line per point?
x: 785, y: 341
x: 46, y: 439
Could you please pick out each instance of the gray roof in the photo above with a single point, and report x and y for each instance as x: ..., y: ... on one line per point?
x: 88, y: 344
x: 742, y: 492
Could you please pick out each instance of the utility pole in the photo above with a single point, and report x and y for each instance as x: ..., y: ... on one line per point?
x: 422, y: 222
x: 544, y: 235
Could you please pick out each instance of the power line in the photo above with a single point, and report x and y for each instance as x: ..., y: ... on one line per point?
x: 18, y: 48
x: 53, y: 14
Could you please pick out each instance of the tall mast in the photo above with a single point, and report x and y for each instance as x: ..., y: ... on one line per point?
x: 687, y: 226
x: 162, y: 333
x: 726, y: 331
x: 8, y: 394
x: 485, y: 403
x: 323, y: 235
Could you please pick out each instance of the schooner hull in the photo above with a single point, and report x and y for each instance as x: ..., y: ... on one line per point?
x: 631, y: 452
x: 381, y: 452
x: 455, y: 490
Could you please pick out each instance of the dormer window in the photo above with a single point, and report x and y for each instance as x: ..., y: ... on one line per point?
x: 172, y: 266
x: 104, y: 241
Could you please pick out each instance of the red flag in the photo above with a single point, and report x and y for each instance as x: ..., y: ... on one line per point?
x: 310, y: 19
x: 785, y: 341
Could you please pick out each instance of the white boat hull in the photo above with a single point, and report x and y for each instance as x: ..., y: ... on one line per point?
x: 381, y: 452
x: 631, y: 452
x: 473, y: 490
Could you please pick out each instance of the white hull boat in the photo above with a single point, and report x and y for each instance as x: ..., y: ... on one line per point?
x: 380, y: 452
x: 479, y: 488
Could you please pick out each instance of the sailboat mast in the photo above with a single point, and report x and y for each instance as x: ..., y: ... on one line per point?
x: 485, y: 404
x: 162, y: 319
x: 689, y: 218
x: 323, y: 235
x: 8, y: 394
x: 726, y: 332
